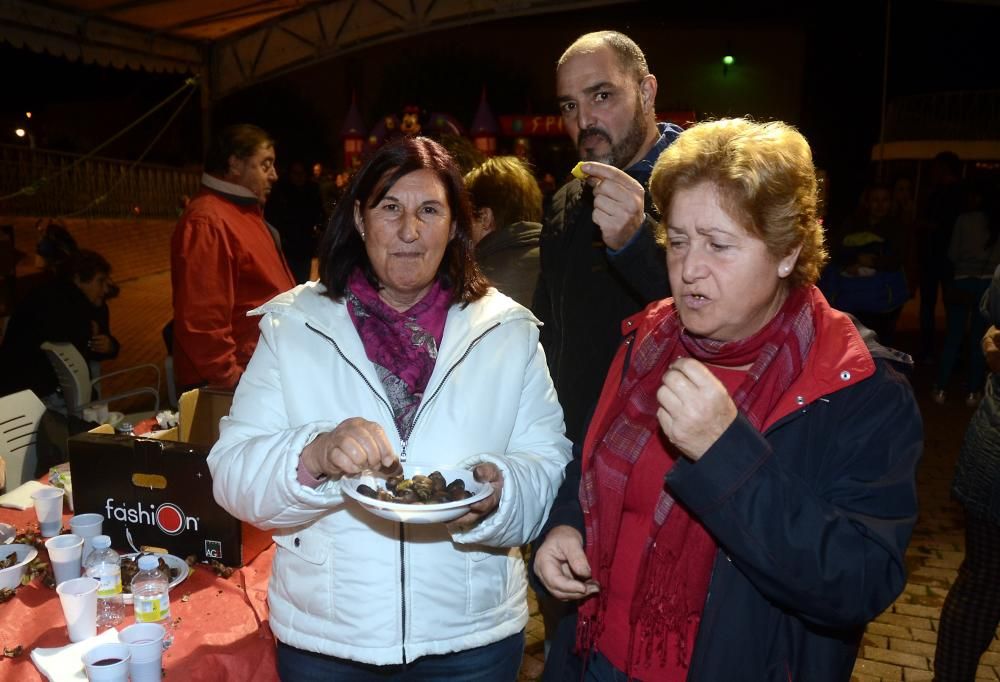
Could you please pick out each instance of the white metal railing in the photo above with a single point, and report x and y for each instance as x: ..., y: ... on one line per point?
x: 49, y: 183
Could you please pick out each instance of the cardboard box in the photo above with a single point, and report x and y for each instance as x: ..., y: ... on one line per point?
x: 159, y: 490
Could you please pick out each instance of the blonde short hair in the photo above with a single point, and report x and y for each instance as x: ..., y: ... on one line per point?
x: 766, y: 181
x: 505, y: 185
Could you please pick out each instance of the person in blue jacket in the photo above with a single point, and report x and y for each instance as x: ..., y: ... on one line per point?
x: 746, y: 489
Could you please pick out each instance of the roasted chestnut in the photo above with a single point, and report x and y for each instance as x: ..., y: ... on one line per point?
x: 420, y: 489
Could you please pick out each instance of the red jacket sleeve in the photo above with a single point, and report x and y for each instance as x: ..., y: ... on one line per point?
x: 204, y: 280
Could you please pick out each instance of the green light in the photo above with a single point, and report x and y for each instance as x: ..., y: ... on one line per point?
x: 728, y: 60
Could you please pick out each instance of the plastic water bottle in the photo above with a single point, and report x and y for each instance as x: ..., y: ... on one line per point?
x: 151, y: 594
x: 104, y: 565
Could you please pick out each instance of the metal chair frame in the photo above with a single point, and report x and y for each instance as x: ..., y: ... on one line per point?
x: 77, y: 386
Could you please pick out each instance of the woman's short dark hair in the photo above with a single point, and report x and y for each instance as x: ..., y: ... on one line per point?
x: 241, y: 140
x: 342, y: 250
x: 88, y: 264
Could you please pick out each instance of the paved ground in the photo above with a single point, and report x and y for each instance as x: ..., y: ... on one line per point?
x: 899, y: 645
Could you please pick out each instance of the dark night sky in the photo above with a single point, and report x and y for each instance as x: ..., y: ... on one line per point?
x: 935, y: 46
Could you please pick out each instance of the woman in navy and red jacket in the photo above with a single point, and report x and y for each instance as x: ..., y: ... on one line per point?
x: 746, y: 490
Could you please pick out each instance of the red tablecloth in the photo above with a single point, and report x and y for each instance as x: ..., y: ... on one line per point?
x: 220, y: 632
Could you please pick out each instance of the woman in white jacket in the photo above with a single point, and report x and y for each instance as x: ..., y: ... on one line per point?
x: 400, y: 351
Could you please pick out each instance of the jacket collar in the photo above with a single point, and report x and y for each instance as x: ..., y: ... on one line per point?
x: 237, y: 194
x: 520, y: 234
x: 643, y: 168
x: 840, y: 356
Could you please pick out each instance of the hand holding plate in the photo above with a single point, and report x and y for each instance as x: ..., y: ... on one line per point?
x: 487, y: 472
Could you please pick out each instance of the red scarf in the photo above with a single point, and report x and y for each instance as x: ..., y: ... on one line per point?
x: 672, y: 583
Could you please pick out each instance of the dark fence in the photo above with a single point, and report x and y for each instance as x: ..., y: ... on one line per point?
x: 47, y: 183
x: 973, y: 115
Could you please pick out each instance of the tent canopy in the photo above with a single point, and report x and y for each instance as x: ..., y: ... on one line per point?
x: 232, y: 44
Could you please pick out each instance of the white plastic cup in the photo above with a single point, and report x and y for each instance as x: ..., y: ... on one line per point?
x: 88, y: 527
x: 66, y: 557
x: 145, y: 644
x: 48, y: 507
x: 97, y: 413
x: 79, y: 604
x: 107, y: 663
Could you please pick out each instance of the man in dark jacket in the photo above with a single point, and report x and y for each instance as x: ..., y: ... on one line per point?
x: 599, y: 260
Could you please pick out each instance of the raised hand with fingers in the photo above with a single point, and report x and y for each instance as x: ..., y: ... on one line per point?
x: 355, y: 444
x: 695, y: 408
x: 619, y: 203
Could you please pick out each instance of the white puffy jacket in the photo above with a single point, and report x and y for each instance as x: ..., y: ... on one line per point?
x: 345, y: 582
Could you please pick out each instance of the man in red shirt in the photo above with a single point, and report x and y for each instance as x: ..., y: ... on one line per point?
x: 225, y: 260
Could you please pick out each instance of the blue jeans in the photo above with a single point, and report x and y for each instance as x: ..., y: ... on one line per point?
x: 497, y: 662
x: 963, y: 313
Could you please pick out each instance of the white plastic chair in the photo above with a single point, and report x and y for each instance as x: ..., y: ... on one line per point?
x: 77, y: 386
x: 20, y: 414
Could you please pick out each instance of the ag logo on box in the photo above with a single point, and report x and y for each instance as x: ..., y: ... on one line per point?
x: 213, y: 549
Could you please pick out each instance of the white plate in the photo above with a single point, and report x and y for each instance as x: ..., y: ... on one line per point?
x: 10, y: 577
x: 7, y: 533
x: 172, y: 562
x: 417, y: 513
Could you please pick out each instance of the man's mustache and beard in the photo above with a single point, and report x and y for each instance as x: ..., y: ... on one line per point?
x: 621, y: 152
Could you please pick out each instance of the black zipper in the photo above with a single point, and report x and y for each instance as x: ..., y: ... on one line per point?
x: 402, y: 454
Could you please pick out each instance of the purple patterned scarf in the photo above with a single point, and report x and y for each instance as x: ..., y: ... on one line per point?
x: 402, y: 346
